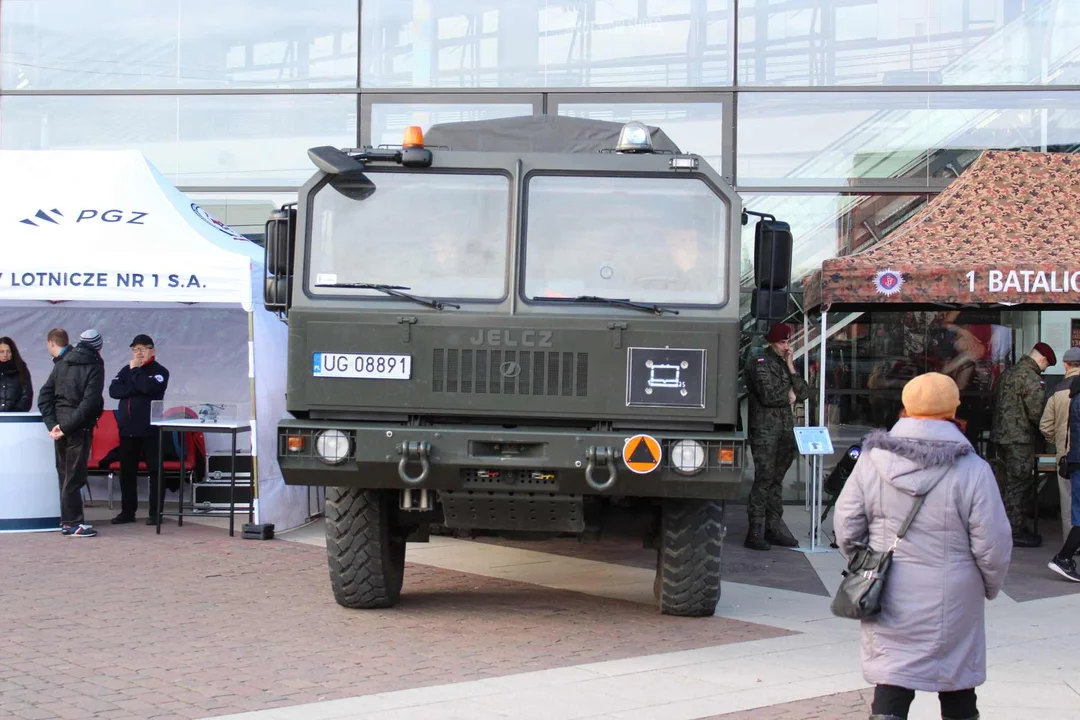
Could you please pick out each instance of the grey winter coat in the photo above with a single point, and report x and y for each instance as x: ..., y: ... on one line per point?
x: 931, y: 634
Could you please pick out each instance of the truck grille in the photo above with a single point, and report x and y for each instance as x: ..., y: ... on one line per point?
x: 488, y: 372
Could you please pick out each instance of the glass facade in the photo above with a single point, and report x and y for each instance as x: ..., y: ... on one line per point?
x: 842, y: 117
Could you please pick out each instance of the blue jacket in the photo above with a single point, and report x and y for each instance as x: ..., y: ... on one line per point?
x: 136, y: 390
x: 1074, y: 424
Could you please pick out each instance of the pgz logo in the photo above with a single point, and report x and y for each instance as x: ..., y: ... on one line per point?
x: 54, y: 216
x: 506, y: 338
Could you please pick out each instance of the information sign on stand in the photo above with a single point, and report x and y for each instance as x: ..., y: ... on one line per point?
x: 815, y: 443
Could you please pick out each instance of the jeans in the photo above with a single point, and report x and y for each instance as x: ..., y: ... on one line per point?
x: 1074, y: 482
x: 892, y: 700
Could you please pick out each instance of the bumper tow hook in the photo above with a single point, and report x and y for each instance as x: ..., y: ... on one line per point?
x: 418, y: 451
x: 602, y: 456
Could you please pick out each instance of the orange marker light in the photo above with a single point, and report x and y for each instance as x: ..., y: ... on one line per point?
x: 296, y: 443
x: 727, y: 456
x: 414, y: 137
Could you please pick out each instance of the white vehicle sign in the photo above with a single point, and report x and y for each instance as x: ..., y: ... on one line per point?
x: 374, y: 367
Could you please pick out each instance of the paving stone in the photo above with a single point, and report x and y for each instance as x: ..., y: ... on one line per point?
x: 193, y: 623
x: 842, y: 706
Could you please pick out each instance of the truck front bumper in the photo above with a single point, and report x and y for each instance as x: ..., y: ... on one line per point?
x: 536, y: 460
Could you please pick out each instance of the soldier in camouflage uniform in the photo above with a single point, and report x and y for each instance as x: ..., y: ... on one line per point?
x: 1018, y: 407
x: 774, y: 388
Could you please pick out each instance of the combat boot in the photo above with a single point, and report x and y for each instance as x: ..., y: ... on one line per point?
x: 755, y: 535
x: 776, y: 533
x: 1024, y: 538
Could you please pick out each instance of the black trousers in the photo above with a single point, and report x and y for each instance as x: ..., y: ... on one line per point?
x: 132, y: 449
x: 892, y: 700
x: 72, y: 454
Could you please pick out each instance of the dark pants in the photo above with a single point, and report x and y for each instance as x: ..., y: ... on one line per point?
x: 72, y: 454
x: 892, y: 700
x: 132, y: 449
x: 772, y: 460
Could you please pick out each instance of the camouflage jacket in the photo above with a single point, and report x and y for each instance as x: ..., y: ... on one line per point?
x: 768, y: 380
x: 1018, y: 405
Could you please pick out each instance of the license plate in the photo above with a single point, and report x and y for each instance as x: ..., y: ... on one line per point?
x: 375, y: 367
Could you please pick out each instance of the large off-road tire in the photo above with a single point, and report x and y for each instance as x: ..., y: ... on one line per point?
x: 364, y: 548
x: 688, y: 563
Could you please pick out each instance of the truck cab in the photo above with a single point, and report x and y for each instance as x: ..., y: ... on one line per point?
x: 513, y: 326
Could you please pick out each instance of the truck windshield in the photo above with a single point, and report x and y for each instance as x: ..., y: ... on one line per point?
x: 649, y: 239
x: 440, y: 235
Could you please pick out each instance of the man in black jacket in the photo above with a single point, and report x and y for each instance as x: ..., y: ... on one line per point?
x: 136, y: 386
x: 71, y: 401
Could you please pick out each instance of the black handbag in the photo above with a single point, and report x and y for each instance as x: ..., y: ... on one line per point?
x: 859, y: 594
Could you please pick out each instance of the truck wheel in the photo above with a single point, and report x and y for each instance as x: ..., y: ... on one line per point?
x: 364, y: 549
x: 688, y: 562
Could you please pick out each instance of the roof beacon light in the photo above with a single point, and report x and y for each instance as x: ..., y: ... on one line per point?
x: 414, y: 137
x: 634, y: 138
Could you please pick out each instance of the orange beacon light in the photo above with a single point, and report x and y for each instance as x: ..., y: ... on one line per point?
x: 414, y: 137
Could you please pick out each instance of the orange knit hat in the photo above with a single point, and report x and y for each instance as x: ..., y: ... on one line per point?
x: 932, y: 396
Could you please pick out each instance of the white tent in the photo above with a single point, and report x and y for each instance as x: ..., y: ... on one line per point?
x: 103, y: 240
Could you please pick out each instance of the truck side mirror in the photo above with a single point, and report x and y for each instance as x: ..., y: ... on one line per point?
x: 772, y: 254
x: 773, y: 243
x: 279, y: 250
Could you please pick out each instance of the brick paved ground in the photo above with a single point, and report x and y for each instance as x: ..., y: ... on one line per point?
x: 845, y: 706
x: 193, y: 624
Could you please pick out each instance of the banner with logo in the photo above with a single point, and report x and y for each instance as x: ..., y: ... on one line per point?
x: 107, y: 227
x: 1004, y: 233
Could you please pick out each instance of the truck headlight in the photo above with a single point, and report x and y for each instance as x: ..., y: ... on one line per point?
x: 687, y: 457
x: 332, y: 446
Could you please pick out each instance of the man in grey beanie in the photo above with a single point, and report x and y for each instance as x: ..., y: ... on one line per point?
x: 71, y: 401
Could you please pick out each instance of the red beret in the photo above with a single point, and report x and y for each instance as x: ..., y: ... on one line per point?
x: 1047, y: 352
x: 778, y: 333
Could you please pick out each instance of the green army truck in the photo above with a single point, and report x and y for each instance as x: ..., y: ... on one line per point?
x: 513, y: 326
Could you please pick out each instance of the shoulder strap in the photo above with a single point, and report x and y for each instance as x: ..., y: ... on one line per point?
x: 911, y: 516
x: 907, y: 521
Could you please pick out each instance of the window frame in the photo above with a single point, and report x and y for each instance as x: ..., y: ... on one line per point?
x: 369, y: 99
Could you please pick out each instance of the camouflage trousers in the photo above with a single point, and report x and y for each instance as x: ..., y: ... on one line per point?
x: 1013, y: 469
x: 772, y: 459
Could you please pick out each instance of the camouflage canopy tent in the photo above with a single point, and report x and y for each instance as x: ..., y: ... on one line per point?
x: 1004, y: 233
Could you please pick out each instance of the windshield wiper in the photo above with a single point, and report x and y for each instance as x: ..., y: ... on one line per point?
x: 620, y: 302
x: 394, y: 290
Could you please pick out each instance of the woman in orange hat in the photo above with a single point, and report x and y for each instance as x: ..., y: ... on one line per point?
x: 931, y: 633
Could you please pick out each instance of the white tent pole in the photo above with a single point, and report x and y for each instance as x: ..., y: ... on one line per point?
x: 254, y: 416
x: 821, y: 369
x: 805, y: 459
x: 818, y: 476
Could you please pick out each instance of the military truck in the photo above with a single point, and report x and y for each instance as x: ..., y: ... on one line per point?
x: 512, y: 326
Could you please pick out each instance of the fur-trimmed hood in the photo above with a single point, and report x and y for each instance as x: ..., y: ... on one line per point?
x: 916, y: 453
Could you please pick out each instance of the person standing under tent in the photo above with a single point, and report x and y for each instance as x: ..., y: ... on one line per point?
x: 138, y: 384
x: 16, y: 389
x: 1063, y: 563
x: 71, y: 401
x: 1018, y: 409
x: 774, y: 388
x: 1055, y: 428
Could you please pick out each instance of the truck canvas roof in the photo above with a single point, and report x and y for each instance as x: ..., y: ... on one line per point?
x: 536, y: 133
